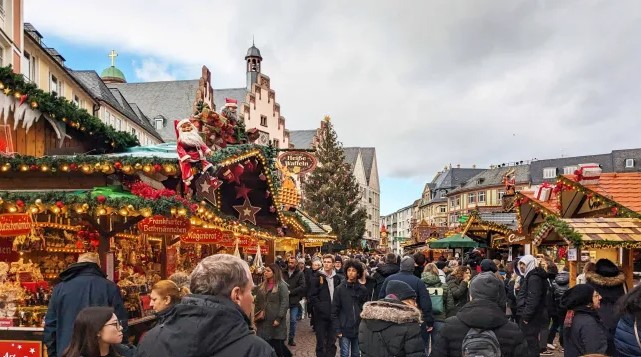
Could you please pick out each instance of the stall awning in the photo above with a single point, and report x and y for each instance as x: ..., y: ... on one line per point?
x: 601, y: 230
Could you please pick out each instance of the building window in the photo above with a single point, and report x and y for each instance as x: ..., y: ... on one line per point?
x: 482, y: 196
x: 119, y: 125
x: 133, y: 132
x: 549, y: 172
x: 443, y: 193
x: 569, y: 170
x: 2, y: 54
x: 263, y: 120
x: 29, y: 67
x: 54, y: 84
x: 2, y: 8
x: 629, y: 163
x: 442, y: 209
x: 501, y: 194
x: 76, y: 100
x: 471, y: 198
x: 458, y: 200
x: 158, y: 123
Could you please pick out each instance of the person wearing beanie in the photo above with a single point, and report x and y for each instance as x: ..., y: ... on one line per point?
x: 482, y: 313
x: 488, y: 265
x: 406, y: 275
x: 531, y: 303
x: 583, y: 332
x: 392, y: 326
x: 609, y: 282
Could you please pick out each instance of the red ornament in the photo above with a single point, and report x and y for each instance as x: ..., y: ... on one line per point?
x: 20, y: 203
x: 60, y: 204
x: 73, y: 167
x: 238, y: 171
x: 79, y: 244
x: 262, y: 177
x: 249, y: 165
x: 118, y: 165
x: 157, y: 167
x: 23, y: 98
x: 228, y: 175
x: 34, y: 167
x: 615, y: 210
x: 94, y: 243
x: 101, y: 199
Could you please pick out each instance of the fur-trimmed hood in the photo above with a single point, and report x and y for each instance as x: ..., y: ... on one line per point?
x: 390, y: 311
x: 596, y: 279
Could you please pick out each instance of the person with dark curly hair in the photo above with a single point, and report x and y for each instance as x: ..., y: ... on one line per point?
x: 347, y: 305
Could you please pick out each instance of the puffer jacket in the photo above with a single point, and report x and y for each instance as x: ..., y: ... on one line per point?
x: 531, y: 298
x: 434, y: 281
x: 625, y: 339
x: 459, y: 290
x: 611, y: 290
x: 346, y: 308
x: 586, y: 335
x: 390, y: 328
x: 484, y: 315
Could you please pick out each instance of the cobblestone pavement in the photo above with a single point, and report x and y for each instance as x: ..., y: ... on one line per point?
x: 306, y: 341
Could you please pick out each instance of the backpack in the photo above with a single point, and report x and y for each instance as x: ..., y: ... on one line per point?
x: 436, y: 295
x: 480, y: 343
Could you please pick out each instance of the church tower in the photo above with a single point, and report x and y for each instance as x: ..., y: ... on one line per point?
x: 113, y: 74
x: 253, y: 59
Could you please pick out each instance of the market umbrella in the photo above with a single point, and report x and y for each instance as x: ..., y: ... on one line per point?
x: 454, y: 241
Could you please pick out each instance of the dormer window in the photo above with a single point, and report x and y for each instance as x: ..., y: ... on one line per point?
x: 480, y: 181
x: 159, y: 123
x: 549, y: 172
x: 629, y: 163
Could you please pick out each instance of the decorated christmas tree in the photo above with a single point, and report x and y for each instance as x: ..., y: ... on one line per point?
x: 331, y: 191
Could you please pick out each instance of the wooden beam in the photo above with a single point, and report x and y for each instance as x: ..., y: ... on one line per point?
x: 628, y: 268
x: 573, y: 266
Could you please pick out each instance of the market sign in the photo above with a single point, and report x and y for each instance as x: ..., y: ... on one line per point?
x: 514, y: 239
x: 15, y: 224
x: 207, y: 236
x: 297, y: 162
x: 243, y: 241
x: 252, y: 250
x: 163, y: 226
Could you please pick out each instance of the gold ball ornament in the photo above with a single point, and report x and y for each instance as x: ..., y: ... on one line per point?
x: 127, y: 169
x: 138, y: 166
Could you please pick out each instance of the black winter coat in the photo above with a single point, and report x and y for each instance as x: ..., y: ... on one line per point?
x: 308, y: 273
x: 459, y: 290
x: 346, y: 308
x: 381, y: 273
x: 611, y: 290
x: 560, y: 285
x: 296, y: 285
x: 82, y: 285
x: 485, y: 315
x: 320, y: 297
x: 531, y: 299
x: 370, y: 285
x: 586, y: 334
x: 390, y: 328
x: 625, y: 340
x: 422, y: 296
x: 204, y: 326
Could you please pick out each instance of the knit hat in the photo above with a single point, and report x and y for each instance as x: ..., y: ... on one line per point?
x: 486, y: 286
x: 606, y: 268
x: 441, y: 264
x: 338, y: 258
x: 407, y: 264
x: 488, y: 265
x: 580, y: 295
x: 400, y: 290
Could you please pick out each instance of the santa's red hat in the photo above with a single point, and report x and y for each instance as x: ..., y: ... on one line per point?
x: 231, y: 103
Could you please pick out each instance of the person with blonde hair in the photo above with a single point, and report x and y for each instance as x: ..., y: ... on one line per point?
x: 165, y: 294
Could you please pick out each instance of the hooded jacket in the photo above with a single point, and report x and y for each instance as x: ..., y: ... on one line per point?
x: 586, y: 334
x: 460, y: 295
x: 434, y: 281
x: 625, y: 340
x: 347, y: 306
x: 484, y: 315
x: 422, y: 298
x: 390, y: 328
x: 531, y: 298
x: 611, y: 290
x: 82, y: 285
x: 381, y: 273
x: 204, y: 326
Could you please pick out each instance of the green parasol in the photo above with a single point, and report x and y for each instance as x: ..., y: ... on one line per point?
x: 454, y: 241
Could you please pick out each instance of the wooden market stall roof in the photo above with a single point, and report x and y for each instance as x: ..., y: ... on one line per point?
x: 551, y: 205
x: 623, y: 188
x: 599, y: 231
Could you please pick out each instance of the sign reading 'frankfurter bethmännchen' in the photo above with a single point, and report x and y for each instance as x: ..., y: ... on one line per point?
x: 163, y: 226
x: 15, y: 224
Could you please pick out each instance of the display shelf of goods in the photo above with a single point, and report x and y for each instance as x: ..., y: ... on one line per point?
x: 77, y: 120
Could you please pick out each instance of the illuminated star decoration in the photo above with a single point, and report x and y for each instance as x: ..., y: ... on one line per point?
x: 242, y: 191
x: 247, y: 212
x: 205, y: 190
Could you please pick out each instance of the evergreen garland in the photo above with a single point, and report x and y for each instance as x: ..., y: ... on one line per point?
x: 81, y: 123
x: 332, y: 195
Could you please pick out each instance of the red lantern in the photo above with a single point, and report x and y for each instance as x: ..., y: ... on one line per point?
x: 101, y: 199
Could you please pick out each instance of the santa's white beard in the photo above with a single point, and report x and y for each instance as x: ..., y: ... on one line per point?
x: 190, y: 138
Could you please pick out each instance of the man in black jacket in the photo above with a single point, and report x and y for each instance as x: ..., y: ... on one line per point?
x: 213, y: 320
x: 347, y: 305
x: 83, y: 284
x: 531, y: 303
x: 482, y: 313
x: 296, y: 282
x: 324, y: 282
x: 383, y: 270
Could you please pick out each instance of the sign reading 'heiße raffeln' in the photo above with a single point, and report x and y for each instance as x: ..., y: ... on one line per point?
x: 163, y: 226
x: 297, y: 162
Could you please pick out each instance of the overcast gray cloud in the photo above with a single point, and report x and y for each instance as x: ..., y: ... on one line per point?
x: 426, y: 82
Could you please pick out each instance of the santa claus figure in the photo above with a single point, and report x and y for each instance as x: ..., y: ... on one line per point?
x: 191, y: 149
x: 230, y: 109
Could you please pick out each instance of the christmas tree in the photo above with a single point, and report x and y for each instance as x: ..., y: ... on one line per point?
x: 331, y: 192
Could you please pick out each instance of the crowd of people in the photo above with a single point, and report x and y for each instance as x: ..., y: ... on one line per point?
x: 358, y: 305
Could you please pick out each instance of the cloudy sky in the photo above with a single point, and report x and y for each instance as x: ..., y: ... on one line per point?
x: 428, y: 83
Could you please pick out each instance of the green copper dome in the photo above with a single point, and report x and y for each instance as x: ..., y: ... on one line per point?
x: 113, y: 74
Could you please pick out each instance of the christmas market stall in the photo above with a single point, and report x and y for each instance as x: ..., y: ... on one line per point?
x: 499, y: 231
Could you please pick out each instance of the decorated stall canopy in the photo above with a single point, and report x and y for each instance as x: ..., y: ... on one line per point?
x: 454, y: 241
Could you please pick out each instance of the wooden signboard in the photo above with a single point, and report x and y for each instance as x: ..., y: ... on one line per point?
x: 263, y: 250
x: 243, y: 241
x: 207, y: 236
x: 298, y: 162
x: 15, y: 224
x: 163, y: 226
